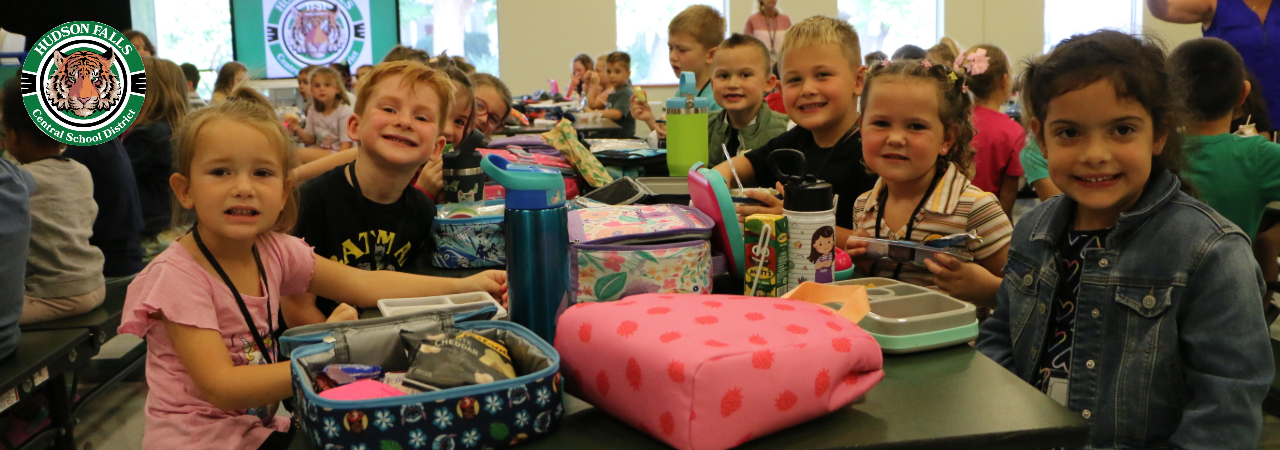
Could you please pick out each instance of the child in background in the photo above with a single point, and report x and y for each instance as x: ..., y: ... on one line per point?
x: 941, y: 54
x: 1036, y: 169
x: 1237, y: 176
x: 740, y: 78
x: 874, y: 58
x: 1000, y: 139
x: 909, y: 52
x: 577, y: 81
x: 692, y: 38
x: 221, y: 286
x: 151, y: 153
x: 192, y: 74
x: 327, y: 120
x: 822, y: 76
x: 493, y: 103
x: 618, y: 107
x: 916, y: 132
x: 303, y: 100
x: 596, y: 85
x: 1125, y: 299
x: 401, y: 107
x: 458, y: 132
x: 117, y: 229
x: 16, y: 186
x: 362, y: 71
x: 141, y: 42
x: 63, y: 272
x: 230, y: 76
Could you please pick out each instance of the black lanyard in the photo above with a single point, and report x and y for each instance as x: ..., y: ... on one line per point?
x: 883, y: 197
x: 364, y: 211
x: 244, y: 310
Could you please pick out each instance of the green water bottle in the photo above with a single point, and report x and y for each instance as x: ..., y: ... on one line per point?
x: 686, y: 127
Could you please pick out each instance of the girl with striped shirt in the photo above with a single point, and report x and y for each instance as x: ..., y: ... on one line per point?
x: 916, y: 129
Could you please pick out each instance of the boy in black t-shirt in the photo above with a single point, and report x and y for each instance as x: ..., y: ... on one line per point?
x: 366, y: 214
x: 822, y: 76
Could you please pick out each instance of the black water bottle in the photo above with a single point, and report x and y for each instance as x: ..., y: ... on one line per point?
x: 463, y: 177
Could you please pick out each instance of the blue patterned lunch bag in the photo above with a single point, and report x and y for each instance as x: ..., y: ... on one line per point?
x: 493, y: 415
x: 469, y: 243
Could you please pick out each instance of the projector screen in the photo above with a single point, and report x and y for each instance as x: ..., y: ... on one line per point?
x: 277, y: 38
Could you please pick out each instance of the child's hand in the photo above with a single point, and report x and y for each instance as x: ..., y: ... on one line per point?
x: 772, y: 205
x: 492, y: 281
x: 343, y: 313
x: 640, y: 110
x: 966, y: 281
x: 855, y: 248
x: 431, y: 180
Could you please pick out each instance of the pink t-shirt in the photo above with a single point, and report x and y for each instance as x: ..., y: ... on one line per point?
x: 998, y: 143
x: 174, y: 284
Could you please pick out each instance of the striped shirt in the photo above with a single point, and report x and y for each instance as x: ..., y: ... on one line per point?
x: 955, y: 206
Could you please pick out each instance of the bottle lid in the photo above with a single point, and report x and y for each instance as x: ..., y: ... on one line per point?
x: 528, y: 187
x: 467, y: 158
x: 814, y: 196
x: 687, y: 96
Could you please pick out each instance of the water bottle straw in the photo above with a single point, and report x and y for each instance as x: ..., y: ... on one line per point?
x: 731, y: 169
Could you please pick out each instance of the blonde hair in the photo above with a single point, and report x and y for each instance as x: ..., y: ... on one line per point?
x: 227, y: 76
x: 479, y: 80
x: 338, y: 81
x: 703, y: 22
x: 166, y: 97
x: 819, y: 30
x: 412, y: 74
x: 246, y: 107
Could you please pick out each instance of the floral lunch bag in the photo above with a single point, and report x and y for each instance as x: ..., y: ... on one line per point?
x: 617, y: 251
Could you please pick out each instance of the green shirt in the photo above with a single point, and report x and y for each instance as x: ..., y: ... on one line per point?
x: 1034, y: 166
x: 1237, y: 176
x: 767, y: 125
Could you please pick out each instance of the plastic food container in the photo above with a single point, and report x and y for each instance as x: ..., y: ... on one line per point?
x: 400, y: 306
x: 908, y: 319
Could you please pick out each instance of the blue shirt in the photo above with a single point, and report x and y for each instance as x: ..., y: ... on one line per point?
x: 117, y: 230
x: 1258, y: 43
x: 16, y: 186
x: 1034, y: 166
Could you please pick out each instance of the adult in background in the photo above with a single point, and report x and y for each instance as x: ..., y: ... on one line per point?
x: 768, y: 25
x: 1246, y: 25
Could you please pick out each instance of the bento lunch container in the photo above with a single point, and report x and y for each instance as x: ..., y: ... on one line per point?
x: 906, y: 319
x: 400, y: 306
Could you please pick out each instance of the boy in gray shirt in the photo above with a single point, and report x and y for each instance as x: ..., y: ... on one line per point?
x: 64, y: 272
x: 618, y: 106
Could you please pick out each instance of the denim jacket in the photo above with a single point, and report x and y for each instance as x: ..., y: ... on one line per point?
x: 1171, y: 349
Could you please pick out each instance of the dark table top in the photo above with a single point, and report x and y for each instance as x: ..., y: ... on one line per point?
x: 590, y: 126
x: 39, y: 350
x: 941, y: 399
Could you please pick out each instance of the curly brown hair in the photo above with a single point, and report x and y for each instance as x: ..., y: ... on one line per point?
x: 955, y: 106
x: 1134, y: 65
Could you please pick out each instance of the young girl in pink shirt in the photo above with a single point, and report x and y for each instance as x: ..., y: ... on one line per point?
x: 1000, y: 139
x: 209, y: 306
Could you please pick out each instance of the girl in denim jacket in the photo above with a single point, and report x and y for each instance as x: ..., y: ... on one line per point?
x: 1125, y: 299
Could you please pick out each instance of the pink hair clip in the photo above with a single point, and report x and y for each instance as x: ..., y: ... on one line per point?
x: 964, y: 88
x: 926, y: 63
x: 884, y: 63
x: 977, y: 62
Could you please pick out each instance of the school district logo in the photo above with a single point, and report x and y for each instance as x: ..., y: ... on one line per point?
x: 315, y: 32
x: 83, y: 83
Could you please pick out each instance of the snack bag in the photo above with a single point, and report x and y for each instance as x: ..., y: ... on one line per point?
x: 455, y: 359
x: 565, y: 139
x: 766, y: 250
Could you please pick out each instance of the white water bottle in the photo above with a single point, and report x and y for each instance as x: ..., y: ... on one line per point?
x: 811, y: 216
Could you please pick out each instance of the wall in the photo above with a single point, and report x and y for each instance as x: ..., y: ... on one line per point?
x: 538, y: 40
x: 1017, y: 26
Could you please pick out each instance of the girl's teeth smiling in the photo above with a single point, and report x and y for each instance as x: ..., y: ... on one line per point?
x: 242, y: 212
x: 1099, y: 179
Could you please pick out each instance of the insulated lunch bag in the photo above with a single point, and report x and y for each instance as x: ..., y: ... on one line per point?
x: 616, y: 251
x: 495, y: 415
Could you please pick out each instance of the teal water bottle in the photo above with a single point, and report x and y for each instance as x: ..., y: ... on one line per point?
x: 686, y: 127
x: 536, y: 228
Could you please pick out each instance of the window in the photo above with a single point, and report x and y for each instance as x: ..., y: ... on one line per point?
x: 886, y: 25
x: 1064, y: 18
x: 467, y: 28
x: 191, y: 31
x: 642, y: 33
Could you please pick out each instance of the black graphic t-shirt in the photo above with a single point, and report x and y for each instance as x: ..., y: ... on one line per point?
x: 1059, y: 337
x: 345, y: 227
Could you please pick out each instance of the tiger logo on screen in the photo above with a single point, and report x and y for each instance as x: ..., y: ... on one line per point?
x: 83, y: 83
x: 317, y: 31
